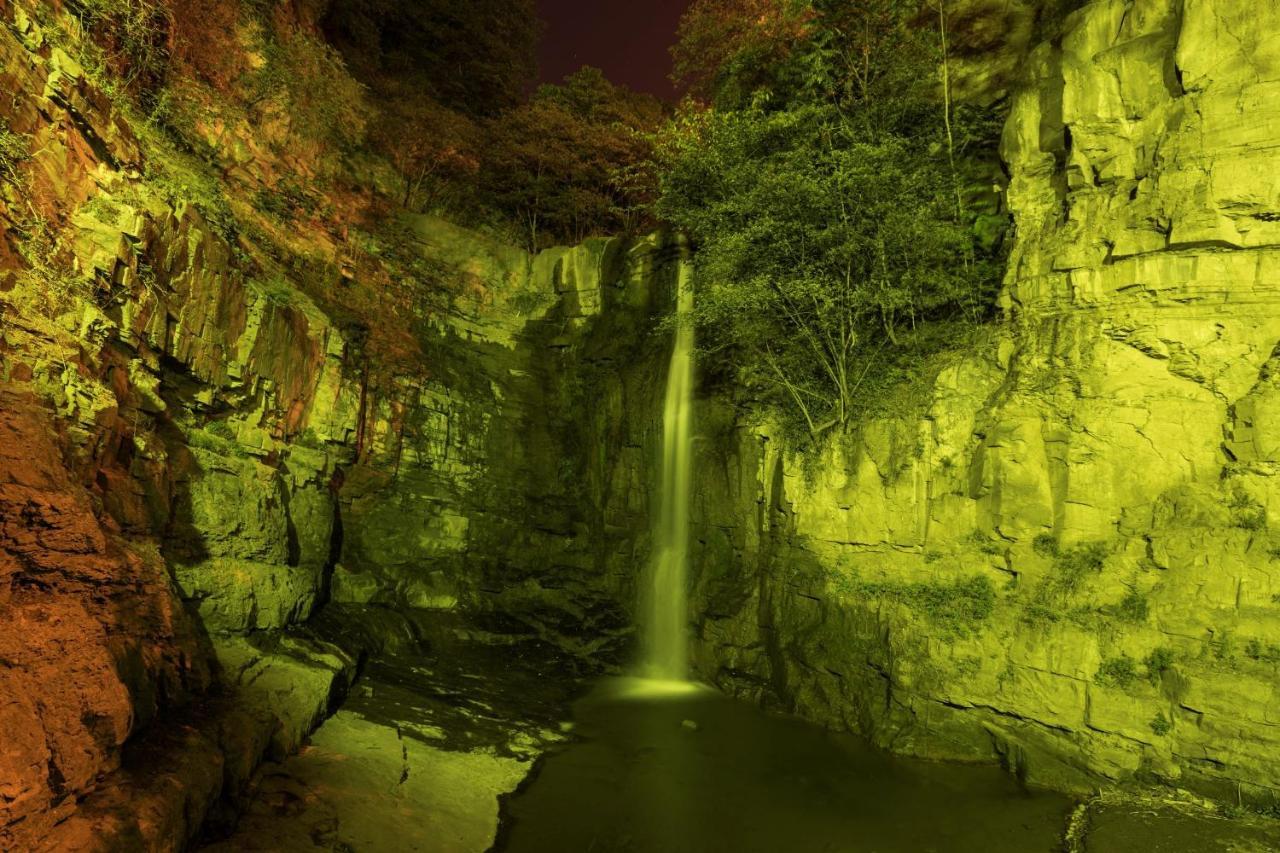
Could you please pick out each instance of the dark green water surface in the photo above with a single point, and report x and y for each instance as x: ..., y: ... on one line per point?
x: 701, y: 772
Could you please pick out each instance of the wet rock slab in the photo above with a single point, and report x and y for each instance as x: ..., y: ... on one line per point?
x: 1155, y: 828
x: 365, y: 786
x: 418, y: 756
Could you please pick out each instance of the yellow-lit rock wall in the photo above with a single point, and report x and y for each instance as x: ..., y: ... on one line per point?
x: 1106, y: 462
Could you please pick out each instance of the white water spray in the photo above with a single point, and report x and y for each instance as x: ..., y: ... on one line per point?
x: 666, y: 628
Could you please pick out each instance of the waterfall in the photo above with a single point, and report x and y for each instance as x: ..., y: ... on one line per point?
x: 666, y: 626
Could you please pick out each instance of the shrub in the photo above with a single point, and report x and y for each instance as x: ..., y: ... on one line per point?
x: 1119, y: 671
x: 984, y: 543
x: 1246, y: 512
x: 573, y: 161
x: 181, y: 178
x: 222, y: 429
x: 132, y: 38
x: 842, y: 234
x: 308, y: 80
x: 13, y: 152
x: 1071, y: 566
x: 1223, y: 647
x: 959, y: 606
x: 1158, y: 662
x: 1160, y: 724
x: 286, y: 201
x: 1045, y: 544
x: 1256, y: 650
x: 806, y: 294
x: 1037, y: 613
x: 1133, y: 607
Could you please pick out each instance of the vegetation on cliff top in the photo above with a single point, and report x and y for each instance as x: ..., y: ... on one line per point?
x: 303, y: 150
x: 836, y: 195
x: 424, y: 104
x: 841, y: 203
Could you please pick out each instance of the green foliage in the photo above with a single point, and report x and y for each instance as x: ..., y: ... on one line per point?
x: 433, y: 282
x: 277, y: 291
x: 181, y: 178
x: 437, y: 150
x: 1074, y: 565
x: 1222, y: 647
x: 819, y: 247
x: 1119, y: 671
x: 826, y: 196
x: 130, y: 54
x: 14, y: 152
x: 1039, y: 613
x: 1246, y: 512
x: 1160, y: 724
x: 310, y: 438
x: 221, y: 429
x: 49, y: 275
x: 1071, y: 568
x: 983, y: 542
x: 1256, y: 650
x: 101, y: 208
x: 726, y: 50
x: 306, y: 80
x: 1158, y: 662
x: 570, y: 162
x: 1133, y: 607
x: 967, y: 667
x: 287, y: 201
x: 48, y: 278
x: 958, y: 606
x: 1045, y: 544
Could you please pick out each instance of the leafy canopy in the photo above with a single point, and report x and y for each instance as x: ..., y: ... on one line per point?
x: 827, y: 194
x: 574, y: 160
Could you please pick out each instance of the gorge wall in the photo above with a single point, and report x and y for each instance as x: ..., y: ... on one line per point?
x: 202, y: 444
x: 1062, y: 559
x: 1065, y: 560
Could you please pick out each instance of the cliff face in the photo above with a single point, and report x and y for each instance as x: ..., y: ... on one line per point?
x: 1067, y: 560
x: 1062, y: 560
x: 202, y: 442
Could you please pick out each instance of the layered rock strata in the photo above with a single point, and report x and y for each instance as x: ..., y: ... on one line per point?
x: 1067, y: 561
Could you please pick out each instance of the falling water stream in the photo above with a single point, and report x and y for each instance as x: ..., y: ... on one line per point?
x: 662, y: 764
x: 665, y: 628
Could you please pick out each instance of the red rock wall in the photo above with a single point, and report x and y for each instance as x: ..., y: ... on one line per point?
x: 93, y: 639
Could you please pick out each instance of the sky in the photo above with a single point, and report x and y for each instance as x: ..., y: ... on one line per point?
x: 627, y: 39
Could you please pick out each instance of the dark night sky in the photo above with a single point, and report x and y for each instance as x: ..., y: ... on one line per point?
x: 627, y: 39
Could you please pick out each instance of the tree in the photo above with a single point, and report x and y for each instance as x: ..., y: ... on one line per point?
x: 727, y: 49
x: 829, y: 237
x: 476, y: 57
x: 573, y: 160
x: 434, y: 148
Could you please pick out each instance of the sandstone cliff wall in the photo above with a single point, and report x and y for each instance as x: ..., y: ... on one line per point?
x: 199, y: 448
x: 1067, y: 562
x: 1064, y: 561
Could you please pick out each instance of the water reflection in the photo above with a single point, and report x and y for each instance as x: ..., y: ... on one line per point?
x: 692, y: 771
